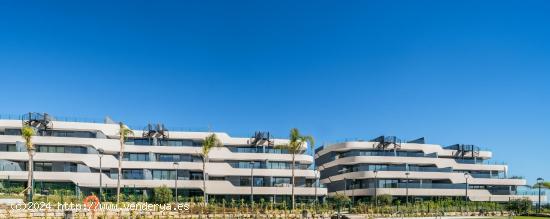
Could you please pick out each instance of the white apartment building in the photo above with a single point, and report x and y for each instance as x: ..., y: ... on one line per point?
x: 415, y: 170
x: 68, y: 156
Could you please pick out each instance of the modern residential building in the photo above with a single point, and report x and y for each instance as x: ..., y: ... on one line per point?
x: 71, y: 154
x: 415, y: 170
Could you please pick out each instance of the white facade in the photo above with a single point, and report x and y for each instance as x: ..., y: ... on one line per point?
x: 415, y: 170
x: 68, y: 152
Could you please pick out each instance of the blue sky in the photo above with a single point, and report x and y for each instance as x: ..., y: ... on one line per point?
x: 472, y: 72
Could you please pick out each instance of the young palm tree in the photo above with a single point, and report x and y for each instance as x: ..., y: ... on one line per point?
x: 210, y: 142
x: 27, y: 132
x: 296, y: 144
x: 123, y: 133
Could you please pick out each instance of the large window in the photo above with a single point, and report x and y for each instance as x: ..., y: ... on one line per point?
x: 43, y: 166
x: 61, y: 149
x: 258, y: 181
x: 353, y: 153
x: 12, y: 132
x: 168, y: 157
x: 266, y: 165
x: 258, y: 150
x: 164, y: 174
x: 281, y: 181
x: 74, y: 134
x: 195, y: 175
x: 8, y: 147
x: 136, y: 156
x: 132, y: 174
x: 244, y: 181
x: 177, y: 158
x: 178, y: 142
x: 163, y: 142
x: 137, y: 141
x: 70, y: 167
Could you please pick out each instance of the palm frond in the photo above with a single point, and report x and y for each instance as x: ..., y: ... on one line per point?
x: 27, y: 132
x: 297, y: 142
x: 210, y: 142
x: 124, y: 131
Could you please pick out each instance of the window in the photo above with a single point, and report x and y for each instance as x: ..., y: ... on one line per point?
x: 258, y: 150
x: 70, y: 167
x: 310, y: 182
x: 195, y: 176
x: 258, y: 181
x: 43, y: 166
x: 216, y: 178
x: 162, y: 142
x: 139, y: 141
x: 169, y: 157
x: 244, y: 181
x: 164, y: 174
x: 281, y: 181
x: 8, y: 147
x: 387, y: 183
x: 61, y: 149
x: 12, y: 132
x: 177, y: 143
x: 282, y: 165
x: 136, y: 156
x: 73, y: 134
x: 132, y: 174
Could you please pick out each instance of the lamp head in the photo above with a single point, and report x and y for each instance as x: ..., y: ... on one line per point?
x: 540, y: 180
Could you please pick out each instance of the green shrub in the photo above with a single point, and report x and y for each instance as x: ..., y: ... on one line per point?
x: 162, y: 195
x: 520, y: 205
x: 385, y: 199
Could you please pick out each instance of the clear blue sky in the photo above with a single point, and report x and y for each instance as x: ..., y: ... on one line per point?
x: 474, y: 72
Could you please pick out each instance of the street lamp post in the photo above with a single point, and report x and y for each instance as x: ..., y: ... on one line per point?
x: 539, y: 184
x: 407, y: 188
x: 251, y: 182
x: 176, y: 165
x: 353, y: 183
x: 100, y: 153
x: 375, y: 188
x: 316, y: 182
x: 466, y: 176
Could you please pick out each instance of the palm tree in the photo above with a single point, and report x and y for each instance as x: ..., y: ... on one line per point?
x: 123, y: 133
x: 27, y: 132
x: 210, y: 142
x: 296, y: 144
x: 544, y: 185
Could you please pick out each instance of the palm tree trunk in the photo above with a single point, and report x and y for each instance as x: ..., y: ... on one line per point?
x: 293, y: 165
x: 30, y: 172
x: 119, y: 175
x: 205, y: 196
